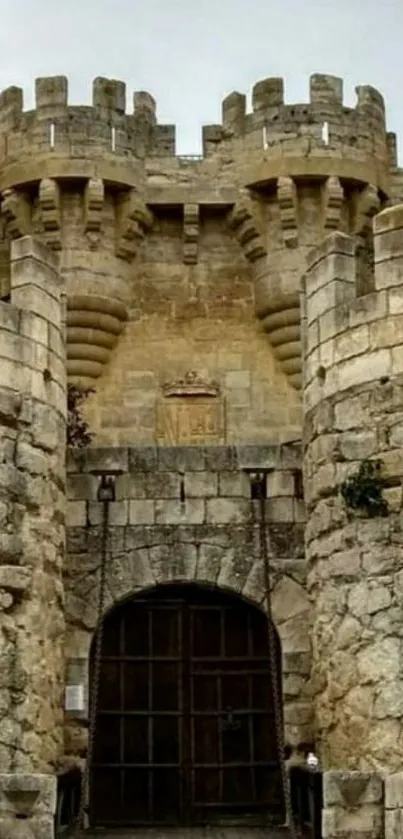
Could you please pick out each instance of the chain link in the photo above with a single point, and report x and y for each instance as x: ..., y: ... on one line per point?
x: 273, y: 663
x: 96, y: 676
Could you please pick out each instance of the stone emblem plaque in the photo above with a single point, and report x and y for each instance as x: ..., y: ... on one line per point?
x: 190, y: 412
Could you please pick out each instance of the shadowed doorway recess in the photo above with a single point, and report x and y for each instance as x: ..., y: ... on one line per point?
x: 185, y: 728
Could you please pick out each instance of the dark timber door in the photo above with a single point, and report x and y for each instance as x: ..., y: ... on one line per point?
x: 185, y: 724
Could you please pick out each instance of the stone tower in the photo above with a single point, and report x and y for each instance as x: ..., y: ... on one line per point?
x: 32, y: 505
x: 305, y: 170
x: 353, y: 411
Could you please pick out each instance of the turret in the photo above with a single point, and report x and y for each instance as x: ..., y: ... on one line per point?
x: 353, y: 465
x: 303, y: 170
x: 75, y: 176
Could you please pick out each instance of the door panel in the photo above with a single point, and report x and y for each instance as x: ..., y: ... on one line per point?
x: 185, y: 716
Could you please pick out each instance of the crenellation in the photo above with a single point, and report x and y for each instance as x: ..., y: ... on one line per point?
x: 370, y: 99
x: 109, y: 97
x: 268, y: 93
x: 325, y: 90
x: 164, y: 141
x: 51, y: 96
x: 234, y: 112
x: 11, y: 107
x: 318, y: 128
x: 144, y: 104
x: 97, y: 130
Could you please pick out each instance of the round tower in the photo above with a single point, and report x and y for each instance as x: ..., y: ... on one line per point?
x: 75, y: 176
x: 353, y: 469
x: 303, y: 170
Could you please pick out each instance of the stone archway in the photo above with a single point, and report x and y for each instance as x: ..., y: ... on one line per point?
x: 186, y: 717
x: 212, y: 563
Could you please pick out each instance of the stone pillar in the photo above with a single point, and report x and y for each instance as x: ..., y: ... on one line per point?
x: 353, y: 411
x: 27, y: 806
x: 353, y: 806
x: 32, y: 501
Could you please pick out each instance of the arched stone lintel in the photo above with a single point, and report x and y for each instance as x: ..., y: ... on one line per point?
x: 143, y: 569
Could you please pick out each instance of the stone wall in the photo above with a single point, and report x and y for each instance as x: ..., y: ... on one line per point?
x: 353, y: 410
x: 193, y: 318
x: 179, y: 264
x: 32, y: 493
x: 185, y: 514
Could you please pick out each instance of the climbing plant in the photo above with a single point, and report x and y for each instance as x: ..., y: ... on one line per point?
x: 78, y: 432
x: 363, y: 490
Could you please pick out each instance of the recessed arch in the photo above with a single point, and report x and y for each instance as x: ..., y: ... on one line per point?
x: 186, y: 719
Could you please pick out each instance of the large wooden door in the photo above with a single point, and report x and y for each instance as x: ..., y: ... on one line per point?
x: 185, y: 724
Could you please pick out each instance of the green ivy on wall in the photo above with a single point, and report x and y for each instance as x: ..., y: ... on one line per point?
x: 78, y: 432
x: 363, y: 490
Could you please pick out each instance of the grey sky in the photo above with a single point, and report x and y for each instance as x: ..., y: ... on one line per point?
x: 189, y: 54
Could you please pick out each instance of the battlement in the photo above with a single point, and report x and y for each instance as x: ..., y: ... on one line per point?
x: 322, y: 126
x: 323, y: 123
x: 352, y: 338
x: 103, y: 128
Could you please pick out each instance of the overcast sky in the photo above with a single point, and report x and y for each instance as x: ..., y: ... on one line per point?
x: 190, y: 53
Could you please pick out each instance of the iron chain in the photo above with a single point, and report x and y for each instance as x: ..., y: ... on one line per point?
x: 273, y: 666
x: 96, y: 676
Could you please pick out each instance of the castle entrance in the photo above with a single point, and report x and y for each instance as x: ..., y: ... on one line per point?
x: 185, y: 726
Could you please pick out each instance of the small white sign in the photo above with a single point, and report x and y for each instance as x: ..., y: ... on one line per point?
x: 74, y: 699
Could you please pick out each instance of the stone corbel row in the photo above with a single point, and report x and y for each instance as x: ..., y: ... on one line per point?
x: 280, y: 313
x: 190, y: 233
x: 133, y: 218
x: 280, y: 318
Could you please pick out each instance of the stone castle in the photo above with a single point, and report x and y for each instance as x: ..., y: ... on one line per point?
x: 238, y: 317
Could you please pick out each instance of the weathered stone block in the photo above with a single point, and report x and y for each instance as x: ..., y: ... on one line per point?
x: 118, y: 513
x: 220, y: 458
x: 131, y: 485
x: 14, y: 578
x: 227, y: 510
x: 141, y: 511
x: 234, y: 484
x: 163, y: 485
x: 191, y: 511
x: 142, y: 458
x: 394, y: 824
x: 76, y: 514
x: 201, y: 484
x: 352, y: 789
x: 394, y: 791
x: 181, y: 459
x: 280, y: 509
x: 82, y: 487
x: 279, y: 483
x: 257, y: 457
